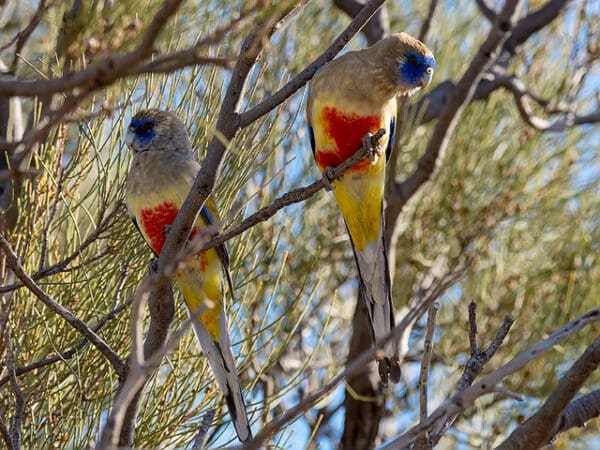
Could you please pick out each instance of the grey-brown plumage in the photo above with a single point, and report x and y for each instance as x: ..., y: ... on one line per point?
x: 161, y: 175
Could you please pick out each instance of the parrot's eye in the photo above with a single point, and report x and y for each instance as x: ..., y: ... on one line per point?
x: 147, y: 127
x: 412, y: 60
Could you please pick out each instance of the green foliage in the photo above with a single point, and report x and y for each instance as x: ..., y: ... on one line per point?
x: 523, y: 204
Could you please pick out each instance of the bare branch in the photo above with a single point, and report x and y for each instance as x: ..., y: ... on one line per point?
x: 422, y: 442
x: 204, y: 427
x: 485, y: 9
x: 539, y: 428
x: 12, y: 261
x: 523, y: 98
x: 475, y: 364
x: 427, y: 22
x: 490, y: 383
x: 257, y: 111
x: 376, y: 28
x: 578, y: 412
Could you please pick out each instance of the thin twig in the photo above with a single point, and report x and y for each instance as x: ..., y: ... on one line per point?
x: 489, y: 383
x: 422, y: 442
x: 475, y: 364
x: 17, y: 419
x: 204, y: 428
x: 61, y: 266
x: 12, y: 261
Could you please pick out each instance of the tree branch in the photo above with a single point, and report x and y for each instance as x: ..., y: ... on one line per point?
x: 376, y: 28
x: 257, y: 111
x: 12, y: 261
x: 475, y: 364
x: 427, y: 22
x: 539, y: 428
x: 578, y: 412
x: 490, y: 383
x: 422, y: 442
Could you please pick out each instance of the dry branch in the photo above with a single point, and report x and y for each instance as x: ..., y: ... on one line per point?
x: 539, y: 428
x: 490, y: 383
x: 12, y: 261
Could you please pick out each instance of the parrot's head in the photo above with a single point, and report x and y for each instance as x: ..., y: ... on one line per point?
x: 408, y: 61
x: 153, y: 129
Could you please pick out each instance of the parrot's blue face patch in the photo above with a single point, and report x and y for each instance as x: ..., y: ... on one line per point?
x: 416, y: 70
x: 143, y: 132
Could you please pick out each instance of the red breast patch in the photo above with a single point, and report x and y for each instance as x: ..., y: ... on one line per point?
x: 154, y: 220
x: 347, y: 130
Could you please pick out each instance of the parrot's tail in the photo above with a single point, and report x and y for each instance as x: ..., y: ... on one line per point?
x: 220, y: 358
x: 375, y: 288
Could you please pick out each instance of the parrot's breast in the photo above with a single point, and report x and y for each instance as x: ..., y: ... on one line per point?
x: 155, y: 221
x: 346, y: 130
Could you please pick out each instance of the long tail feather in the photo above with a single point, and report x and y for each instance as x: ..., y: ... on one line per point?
x: 220, y: 358
x: 375, y: 286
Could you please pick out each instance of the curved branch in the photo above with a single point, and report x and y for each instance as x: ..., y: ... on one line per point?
x: 539, y: 428
x: 522, y: 98
x: 490, y: 383
x: 12, y: 261
x: 578, y: 412
x: 100, y: 73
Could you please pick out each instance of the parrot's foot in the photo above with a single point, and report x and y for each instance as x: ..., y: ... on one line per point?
x: 166, y: 229
x: 369, y: 142
x: 329, y: 178
x: 153, y: 266
x: 389, y: 368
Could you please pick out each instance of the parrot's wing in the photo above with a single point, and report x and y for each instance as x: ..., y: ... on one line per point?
x: 221, y: 249
x: 392, y: 132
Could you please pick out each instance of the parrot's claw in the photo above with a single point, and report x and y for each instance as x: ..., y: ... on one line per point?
x: 166, y: 230
x: 153, y: 266
x: 328, y: 175
x: 373, y: 151
x: 389, y: 369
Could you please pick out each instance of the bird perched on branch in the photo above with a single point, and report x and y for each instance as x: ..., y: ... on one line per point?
x: 349, y: 100
x: 162, y: 172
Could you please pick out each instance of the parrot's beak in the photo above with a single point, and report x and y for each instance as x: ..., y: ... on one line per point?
x: 427, y: 77
x: 129, y: 138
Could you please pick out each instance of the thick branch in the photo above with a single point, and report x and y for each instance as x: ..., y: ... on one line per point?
x: 490, y: 383
x: 539, y: 428
x: 461, y: 95
x: 578, y: 412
